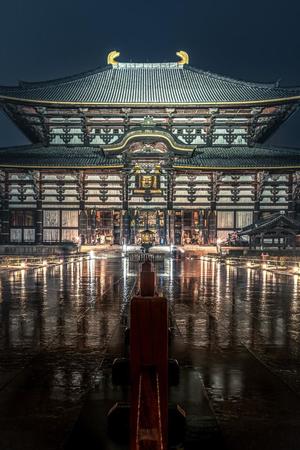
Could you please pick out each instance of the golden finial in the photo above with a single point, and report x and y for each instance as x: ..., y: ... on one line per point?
x: 111, y: 57
x: 184, y: 57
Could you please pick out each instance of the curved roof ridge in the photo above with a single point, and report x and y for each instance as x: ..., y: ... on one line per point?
x: 235, y: 80
x: 63, y: 80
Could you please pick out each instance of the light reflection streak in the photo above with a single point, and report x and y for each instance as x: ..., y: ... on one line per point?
x: 23, y: 286
x: 23, y: 303
x: 235, y: 384
x: 263, y: 290
x: 295, y: 294
x: 102, y: 267
x: 249, y: 275
x: 78, y: 278
x: 125, y: 264
x: 218, y: 284
x: 228, y: 281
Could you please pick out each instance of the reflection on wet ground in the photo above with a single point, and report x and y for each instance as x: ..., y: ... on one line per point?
x: 239, y: 328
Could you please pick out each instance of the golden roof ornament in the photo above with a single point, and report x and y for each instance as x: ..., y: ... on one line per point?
x: 111, y: 57
x: 185, y: 59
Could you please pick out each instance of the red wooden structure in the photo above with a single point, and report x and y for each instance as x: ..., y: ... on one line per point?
x: 149, y: 367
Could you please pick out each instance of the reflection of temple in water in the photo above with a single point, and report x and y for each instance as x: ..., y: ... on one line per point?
x: 164, y: 148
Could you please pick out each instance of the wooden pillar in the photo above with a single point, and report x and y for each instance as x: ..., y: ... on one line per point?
x: 170, y: 232
x: 39, y: 209
x: 125, y: 189
x: 259, y: 184
x: 257, y: 193
x: 168, y: 228
x: 262, y: 241
x: 182, y: 227
x: 126, y: 219
x: 216, y: 178
x: 2, y: 190
x: 5, y: 208
x: 291, y: 203
x: 82, y: 196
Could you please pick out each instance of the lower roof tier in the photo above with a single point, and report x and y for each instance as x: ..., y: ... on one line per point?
x: 64, y: 157
x: 242, y: 157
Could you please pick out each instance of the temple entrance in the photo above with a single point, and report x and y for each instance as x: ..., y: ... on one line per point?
x: 147, y: 237
x: 149, y: 225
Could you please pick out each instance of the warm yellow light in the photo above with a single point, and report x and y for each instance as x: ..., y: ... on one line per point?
x: 111, y: 57
x: 184, y: 57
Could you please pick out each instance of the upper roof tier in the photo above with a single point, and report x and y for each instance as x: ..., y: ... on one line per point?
x: 133, y: 84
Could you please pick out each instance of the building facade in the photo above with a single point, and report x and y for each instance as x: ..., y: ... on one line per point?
x: 134, y: 150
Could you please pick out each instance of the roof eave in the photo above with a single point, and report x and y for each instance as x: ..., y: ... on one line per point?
x: 290, y: 99
x: 63, y: 167
x: 202, y: 167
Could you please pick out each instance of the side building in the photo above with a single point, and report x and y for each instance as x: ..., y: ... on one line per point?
x: 163, y: 149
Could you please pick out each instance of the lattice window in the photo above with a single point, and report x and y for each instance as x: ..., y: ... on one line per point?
x: 29, y: 235
x: 16, y: 235
x: 243, y: 218
x: 225, y: 219
x: 51, y: 235
x: 51, y: 218
x: 69, y: 219
x: 69, y: 235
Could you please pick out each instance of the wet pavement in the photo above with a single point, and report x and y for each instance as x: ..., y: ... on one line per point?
x: 239, y: 329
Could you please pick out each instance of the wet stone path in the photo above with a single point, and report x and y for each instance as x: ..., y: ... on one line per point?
x: 240, y: 328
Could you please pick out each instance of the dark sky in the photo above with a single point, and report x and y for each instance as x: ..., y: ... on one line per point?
x: 256, y: 40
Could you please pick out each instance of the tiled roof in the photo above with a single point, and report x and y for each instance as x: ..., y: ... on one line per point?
x: 206, y: 157
x: 269, y: 223
x: 165, y: 83
x: 242, y: 157
x: 54, y: 156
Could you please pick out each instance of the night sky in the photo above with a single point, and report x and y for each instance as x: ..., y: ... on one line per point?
x: 255, y: 40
